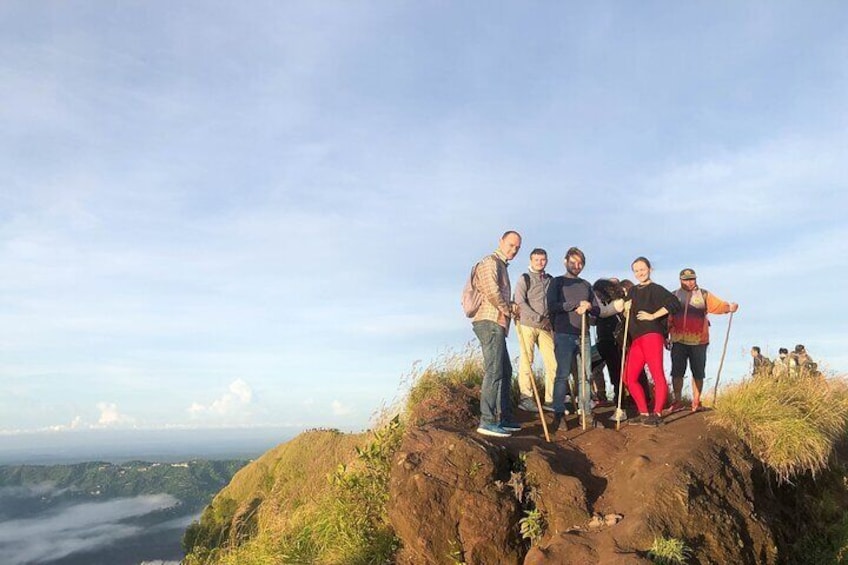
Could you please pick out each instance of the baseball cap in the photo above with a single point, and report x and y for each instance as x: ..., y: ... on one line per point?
x: 687, y: 274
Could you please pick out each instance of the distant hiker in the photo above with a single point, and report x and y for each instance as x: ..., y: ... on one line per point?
x: 690, y: 335
x: 781, y: 364
x: 762, y: 365
x: 491, y: 325
x: 531, y: 293
x: 650, y: 304
x: 569, y: 297
x: 800, y: 362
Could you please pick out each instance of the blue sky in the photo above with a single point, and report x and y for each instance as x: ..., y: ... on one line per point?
x: 263, y: 213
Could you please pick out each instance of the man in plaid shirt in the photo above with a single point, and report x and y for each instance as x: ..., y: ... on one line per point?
x: 491, y: 325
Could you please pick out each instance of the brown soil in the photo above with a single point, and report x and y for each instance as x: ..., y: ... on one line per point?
x: 606, y: 495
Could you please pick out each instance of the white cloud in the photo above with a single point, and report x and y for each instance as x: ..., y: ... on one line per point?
x: 236, y: 401
x: 40, y: 490
x: 109, y: 416
x: 340, y: 409
x: 75, y: 424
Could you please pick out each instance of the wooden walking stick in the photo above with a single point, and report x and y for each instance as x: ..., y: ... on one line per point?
x: 582, y: 388
x: 721, y: 363
x: 533, y: 381
x: 621, y: 374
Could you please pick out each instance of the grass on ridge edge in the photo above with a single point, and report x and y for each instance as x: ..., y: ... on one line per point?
x: 791, y: 423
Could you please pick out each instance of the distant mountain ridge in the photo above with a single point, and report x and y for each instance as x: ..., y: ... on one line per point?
x: 191, y: 482
x: 99, y: 512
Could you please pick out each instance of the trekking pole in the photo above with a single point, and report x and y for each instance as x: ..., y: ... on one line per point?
x: 532, y: 381
x: 621, y: 374
x: 583, y: 403
x: 721, y: 363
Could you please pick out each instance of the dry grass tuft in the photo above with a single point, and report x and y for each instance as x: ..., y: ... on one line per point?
x: 445, y: 391
x: 790, y: 423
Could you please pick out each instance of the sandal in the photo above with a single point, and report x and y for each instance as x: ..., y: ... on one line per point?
x: 676, y: 407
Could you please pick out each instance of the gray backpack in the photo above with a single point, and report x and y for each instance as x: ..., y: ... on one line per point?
x: 471, y: 298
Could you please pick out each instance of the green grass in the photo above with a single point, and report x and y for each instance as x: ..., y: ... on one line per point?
x: 791, y: 424
x: 669, y: 551
x: 322, y: 496
x: 452, y: 369
x: 821, y: 516
x: 532, y: 525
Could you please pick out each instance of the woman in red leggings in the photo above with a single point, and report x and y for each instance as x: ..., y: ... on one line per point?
x: 648, y: 327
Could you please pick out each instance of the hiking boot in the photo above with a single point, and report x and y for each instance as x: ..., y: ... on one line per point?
x: 651, y: 421
x: 511, y: 426
x: 527, y: 405
x: 492, y: 430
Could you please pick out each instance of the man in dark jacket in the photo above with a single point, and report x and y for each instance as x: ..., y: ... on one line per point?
x: 569, y: 298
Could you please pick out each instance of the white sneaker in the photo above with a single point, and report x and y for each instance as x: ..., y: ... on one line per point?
x: 527, y: 405
x: 493, y: 430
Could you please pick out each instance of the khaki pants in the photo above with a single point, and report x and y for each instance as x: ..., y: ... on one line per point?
x: 528, y: 339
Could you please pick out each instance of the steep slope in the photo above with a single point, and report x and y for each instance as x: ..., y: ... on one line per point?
x: 457, y: 496
x: 265, y: 496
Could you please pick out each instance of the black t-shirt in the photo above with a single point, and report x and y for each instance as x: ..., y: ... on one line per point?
x: 650, y: 298
x: 606, y: 327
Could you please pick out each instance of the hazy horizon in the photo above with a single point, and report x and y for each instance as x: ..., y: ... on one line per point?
x: 156, y: 445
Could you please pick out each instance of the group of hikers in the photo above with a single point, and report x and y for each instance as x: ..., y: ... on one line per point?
x: 796, y: 363
x: 638, y: 319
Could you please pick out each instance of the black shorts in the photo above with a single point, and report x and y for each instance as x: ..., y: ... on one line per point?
x: 695, y: 355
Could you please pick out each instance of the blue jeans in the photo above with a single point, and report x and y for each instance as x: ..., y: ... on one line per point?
x: 566, y: 346
x: 495, y: 406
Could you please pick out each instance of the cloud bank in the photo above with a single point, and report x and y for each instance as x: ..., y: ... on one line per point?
x: 79, y: 528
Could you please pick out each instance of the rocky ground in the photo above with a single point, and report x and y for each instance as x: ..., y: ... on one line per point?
x: 605, y: 495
